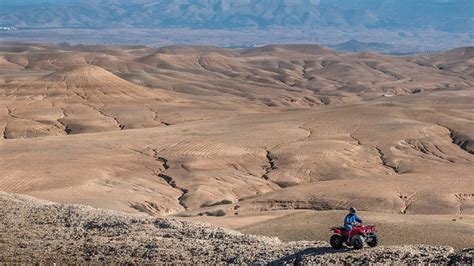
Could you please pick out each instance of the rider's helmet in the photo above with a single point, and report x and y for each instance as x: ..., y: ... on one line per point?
x: 352, y: 210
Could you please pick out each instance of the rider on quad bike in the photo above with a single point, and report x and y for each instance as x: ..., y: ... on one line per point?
x: 351, y: 218
x: 353, y: 233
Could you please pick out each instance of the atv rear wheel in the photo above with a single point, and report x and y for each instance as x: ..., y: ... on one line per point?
x: 374, y: 241
x: 336, y: 241
x: 357, y: 242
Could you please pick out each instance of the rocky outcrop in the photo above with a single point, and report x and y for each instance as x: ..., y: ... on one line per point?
x: 463, y: 141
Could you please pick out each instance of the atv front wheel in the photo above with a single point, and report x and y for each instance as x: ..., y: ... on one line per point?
x: 357, y: 242
x: 336, y: 241
x: 374, y: 241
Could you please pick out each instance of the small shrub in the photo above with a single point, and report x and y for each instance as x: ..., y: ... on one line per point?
x: 226, y: 202
x: 216, y: 213
x: 222, y: 202
x: 219, y: 213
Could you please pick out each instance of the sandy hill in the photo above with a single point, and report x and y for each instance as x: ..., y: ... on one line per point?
x: 81, y: 99
x: 302, y: 75
x: 96, y: 82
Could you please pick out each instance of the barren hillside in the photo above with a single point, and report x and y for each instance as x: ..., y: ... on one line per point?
x: 177, y: 129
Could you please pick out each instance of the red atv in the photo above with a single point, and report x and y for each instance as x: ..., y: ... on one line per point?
x: 359, y: 235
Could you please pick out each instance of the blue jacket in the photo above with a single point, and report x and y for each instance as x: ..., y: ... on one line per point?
x: 350, y: 219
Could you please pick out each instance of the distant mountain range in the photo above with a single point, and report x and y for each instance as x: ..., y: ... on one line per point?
x: 337, y: 17
x: 449, y: 16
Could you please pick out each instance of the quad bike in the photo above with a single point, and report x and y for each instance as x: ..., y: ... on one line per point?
x: 356, y: 238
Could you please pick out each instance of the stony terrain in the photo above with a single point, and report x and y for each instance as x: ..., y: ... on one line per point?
x: 35, y: 231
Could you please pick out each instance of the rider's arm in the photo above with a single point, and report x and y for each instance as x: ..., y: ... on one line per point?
x: 358, y: 219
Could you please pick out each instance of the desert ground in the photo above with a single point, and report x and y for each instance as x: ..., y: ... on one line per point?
x: 293, y: 132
